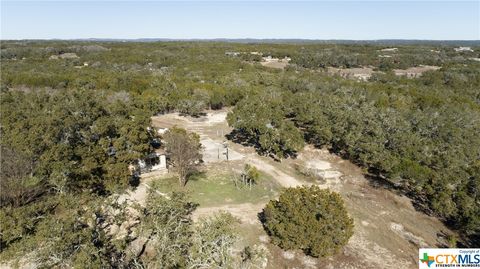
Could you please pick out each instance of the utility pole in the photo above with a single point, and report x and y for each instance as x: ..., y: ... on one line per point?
x: 225, y: 145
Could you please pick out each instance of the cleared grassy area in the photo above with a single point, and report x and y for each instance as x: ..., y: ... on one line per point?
x: 209, y: 189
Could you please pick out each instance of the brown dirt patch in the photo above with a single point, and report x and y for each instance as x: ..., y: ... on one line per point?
x: 274, y: 62
x: 360, y: 73
x: 414, y: 72
x: 247, y: 213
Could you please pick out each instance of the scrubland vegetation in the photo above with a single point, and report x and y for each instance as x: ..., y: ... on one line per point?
x: 71, y: 126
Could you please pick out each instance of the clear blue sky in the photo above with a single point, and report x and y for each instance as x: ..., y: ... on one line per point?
x: 235, y: 19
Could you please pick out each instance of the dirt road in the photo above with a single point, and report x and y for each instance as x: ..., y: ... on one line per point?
x: 388, y: 229
x: 282, y: 178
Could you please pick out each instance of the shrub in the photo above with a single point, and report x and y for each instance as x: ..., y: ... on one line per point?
x: 310, y: 219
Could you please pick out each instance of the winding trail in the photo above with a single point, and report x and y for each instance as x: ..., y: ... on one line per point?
x: 282, y: 178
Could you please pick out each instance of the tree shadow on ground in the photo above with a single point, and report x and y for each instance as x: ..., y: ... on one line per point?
x: 239, y: 137
x: 134, y: 180
x: 193, y: 115
x: 262, y: 218
x: 449, y: 240
x: 378, y: 180
x: 196, y: 176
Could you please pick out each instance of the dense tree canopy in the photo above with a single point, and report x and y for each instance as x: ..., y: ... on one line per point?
x: 261, y: 120
x: 75, y: 140
x: 62, y: 153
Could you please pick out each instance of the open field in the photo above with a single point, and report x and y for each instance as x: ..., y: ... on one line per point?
x: 216, y: 187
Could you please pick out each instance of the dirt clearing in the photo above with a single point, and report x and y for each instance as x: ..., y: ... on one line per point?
x: 212, y: 129
x: 388, y: 230
x: 365, y: 73
x: 275, y: 62
x: 360, y: 73
x: 414, y: 72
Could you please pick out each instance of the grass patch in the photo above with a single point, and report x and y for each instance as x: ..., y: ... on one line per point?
x: 210, y: 189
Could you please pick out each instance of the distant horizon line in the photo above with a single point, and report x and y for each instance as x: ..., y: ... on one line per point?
x: 237, y: 38
x: 259, y: 40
